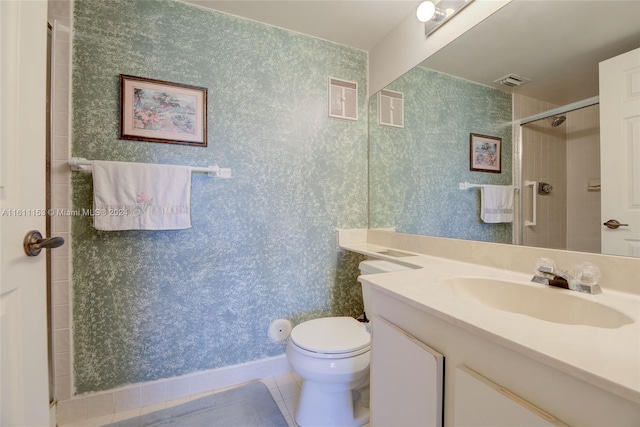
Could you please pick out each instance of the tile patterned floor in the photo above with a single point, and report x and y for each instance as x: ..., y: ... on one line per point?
x: 285, y: 390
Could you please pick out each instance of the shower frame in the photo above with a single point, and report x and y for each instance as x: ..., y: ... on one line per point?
x: 517, y: 152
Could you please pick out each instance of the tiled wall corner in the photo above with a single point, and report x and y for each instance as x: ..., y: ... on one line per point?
x: 60, y: 12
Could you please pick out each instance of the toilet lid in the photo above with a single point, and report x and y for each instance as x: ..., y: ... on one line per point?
x: 331, y: 335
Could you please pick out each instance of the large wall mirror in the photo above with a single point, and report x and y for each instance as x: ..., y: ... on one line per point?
x: 420, y: 126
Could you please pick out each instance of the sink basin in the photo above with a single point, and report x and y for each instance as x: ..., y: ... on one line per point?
x: 549, y: 304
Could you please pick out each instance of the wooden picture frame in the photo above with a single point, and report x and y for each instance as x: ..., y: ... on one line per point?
x: 160, y: 111
x: 485, y: 153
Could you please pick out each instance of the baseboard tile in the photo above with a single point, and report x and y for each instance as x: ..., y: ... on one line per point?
x: 139, y: 395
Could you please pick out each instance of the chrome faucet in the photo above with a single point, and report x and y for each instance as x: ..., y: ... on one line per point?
x: 552, y: 276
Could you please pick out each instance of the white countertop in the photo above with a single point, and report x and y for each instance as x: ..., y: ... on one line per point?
x: 608, y: 358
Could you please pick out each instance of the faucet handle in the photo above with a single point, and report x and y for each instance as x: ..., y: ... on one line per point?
x: 544, y: 265
x: 587, y: 273
x: 546, y: 269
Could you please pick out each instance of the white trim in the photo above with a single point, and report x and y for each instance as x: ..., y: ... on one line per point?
x: 138, y: 395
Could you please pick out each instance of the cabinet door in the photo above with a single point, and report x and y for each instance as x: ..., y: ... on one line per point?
x: 480, y: 402
x: 406, y: 379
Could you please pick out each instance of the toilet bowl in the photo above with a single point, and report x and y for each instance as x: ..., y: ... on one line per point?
x: 332, y: 357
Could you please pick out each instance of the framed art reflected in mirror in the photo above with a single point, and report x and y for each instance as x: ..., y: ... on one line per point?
x: 485, y: 153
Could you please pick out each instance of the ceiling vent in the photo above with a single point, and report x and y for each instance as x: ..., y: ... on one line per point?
x: 343, y: 99
x: 391, y: 108
x: 512, y: 80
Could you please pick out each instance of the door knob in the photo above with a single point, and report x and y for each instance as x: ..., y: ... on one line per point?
x: 613, y: 224
x: 34, y: 243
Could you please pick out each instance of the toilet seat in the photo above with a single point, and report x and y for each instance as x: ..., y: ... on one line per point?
x: 331, y: 337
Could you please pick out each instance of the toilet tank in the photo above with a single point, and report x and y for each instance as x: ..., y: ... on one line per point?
x: 375, y: 266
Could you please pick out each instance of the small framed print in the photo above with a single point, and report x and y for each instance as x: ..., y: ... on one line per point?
x: 485, y: 153
x: 160, y: 111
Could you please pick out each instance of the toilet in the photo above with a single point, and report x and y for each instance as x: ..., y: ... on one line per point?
x: 332, y: 356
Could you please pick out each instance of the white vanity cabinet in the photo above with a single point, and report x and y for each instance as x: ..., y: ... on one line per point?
x: 408, y: 373
x: 511, y: 383
x: 479, y: 402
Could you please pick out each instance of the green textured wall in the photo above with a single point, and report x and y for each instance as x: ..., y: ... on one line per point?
x: 415, y: 170
x: 150, y: 305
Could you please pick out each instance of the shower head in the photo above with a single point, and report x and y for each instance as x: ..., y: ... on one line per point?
x: 557, y: 120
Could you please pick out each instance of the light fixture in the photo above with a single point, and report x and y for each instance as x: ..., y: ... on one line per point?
x: 435, y: 13
x: 427, y: 11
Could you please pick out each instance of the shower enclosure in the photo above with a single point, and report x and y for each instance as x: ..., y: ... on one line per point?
x: 561, y: 150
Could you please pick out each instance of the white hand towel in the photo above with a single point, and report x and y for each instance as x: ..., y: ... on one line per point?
x: 496, y: 203
x: 141, y: 196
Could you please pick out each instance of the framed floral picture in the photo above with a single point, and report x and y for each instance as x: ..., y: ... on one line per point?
x: 485, y: 153
x: 159, y: 111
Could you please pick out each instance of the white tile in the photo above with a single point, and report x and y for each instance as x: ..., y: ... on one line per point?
x: 298, y: 378
x: 60, y: 291
x: 61, y: 77
x: 62, y: 52
x: 61, y: 101
x: 289, y: 390
x: 62, y: 364
x: 152, y: 394
x: 120, y: 416
x: 101, y: 404
x: 61, y: 224
x: 60, y: 196
x: 275, y: 393
x: 63, y: 387
x: 231, y: 376
x: 72, y: 410
x: 152, y: 408
x: 60, y: 123
x: 59, y: 8
x: 292, y: 405
x: 127, y: 399
x: 60, y: 172
x: 61, y: 317
x: 283, y: 407
x: 178, y: 388
x: 284, y: 379
x: 200, y: 383
x: 60, y: 148
x: 60, y: 268
x: 61, y: 340
x: 269, y: 382
x: 290, y: 421
x: 64, y: 22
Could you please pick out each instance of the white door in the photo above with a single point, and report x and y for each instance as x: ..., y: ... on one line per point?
x: 24, y: 387
x: 620, y: 153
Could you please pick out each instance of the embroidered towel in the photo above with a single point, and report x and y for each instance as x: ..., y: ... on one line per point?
x: 141, y: 196
x: 496, y: 203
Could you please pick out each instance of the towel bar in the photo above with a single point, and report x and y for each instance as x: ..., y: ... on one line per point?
x: 79, y: 164
x: 467, y: 185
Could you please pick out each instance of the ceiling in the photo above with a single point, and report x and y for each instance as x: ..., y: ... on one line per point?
x: 356, y: 23
x: 555, y: 43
